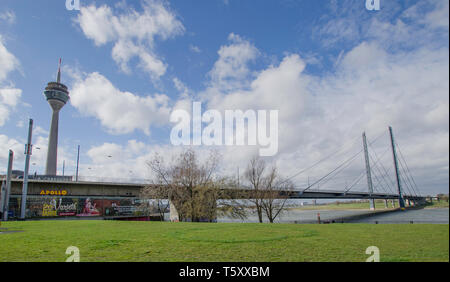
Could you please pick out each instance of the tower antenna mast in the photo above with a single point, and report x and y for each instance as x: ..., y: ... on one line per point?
x: 58, y: 78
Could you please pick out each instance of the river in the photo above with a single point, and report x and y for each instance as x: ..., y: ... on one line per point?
x: 434, y: 215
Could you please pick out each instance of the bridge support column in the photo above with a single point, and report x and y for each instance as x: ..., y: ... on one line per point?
x: 173, y: 213
x: 368, y: 172
x: 386, y: 204
x: 393, y: 203
x: 401, y: 201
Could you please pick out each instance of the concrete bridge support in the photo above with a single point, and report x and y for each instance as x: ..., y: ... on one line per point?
x: 393, y: 203
x: 173, y: 212
x: 386, y: 204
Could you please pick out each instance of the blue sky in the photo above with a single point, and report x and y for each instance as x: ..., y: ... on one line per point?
x: 332, y: 68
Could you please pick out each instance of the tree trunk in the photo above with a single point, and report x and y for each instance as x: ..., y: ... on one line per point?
x: 259, y: 210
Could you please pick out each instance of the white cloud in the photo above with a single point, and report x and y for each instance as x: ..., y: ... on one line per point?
x: 133, y: 33
x: 9, y: 98
x: 7, y: 144
x: 8, y: 62
x: 38, y: 158
x: 39, y: 131
x: 118, y: 111
x: 181, y: 87
x: 125, y: 162
x: 231, y: 70
x: 432, y: 13
x: 194, y: 49
x: 128, y: 162
x: 8, y: 16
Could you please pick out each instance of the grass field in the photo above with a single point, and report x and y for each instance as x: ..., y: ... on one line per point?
x: 164, y: 241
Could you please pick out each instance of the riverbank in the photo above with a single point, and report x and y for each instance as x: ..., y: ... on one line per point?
x: 437, y: 205
x: 408, y: 216
x: 360, y: 205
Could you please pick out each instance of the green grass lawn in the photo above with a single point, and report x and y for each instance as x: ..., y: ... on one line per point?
x: 164, y: 241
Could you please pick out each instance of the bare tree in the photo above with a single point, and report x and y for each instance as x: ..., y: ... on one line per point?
x: 255, y: 175
x: 155, y: 198
x: 191, y: 185
x: 231, y: 201
x: 269, y: 191
x: 275, y: 194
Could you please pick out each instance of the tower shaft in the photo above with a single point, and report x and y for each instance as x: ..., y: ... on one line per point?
x: 52, y: 152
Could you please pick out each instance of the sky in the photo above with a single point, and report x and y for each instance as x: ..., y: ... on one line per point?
x: 333, y: 70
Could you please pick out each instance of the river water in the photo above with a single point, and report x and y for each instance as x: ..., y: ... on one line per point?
x: 435, y: 215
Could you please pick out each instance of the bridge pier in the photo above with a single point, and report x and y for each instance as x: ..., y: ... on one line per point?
x: 393, y: 203
x: 173, y: 212
x: 386, y: 204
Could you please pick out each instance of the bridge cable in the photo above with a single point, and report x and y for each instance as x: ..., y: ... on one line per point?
x: 406, y: 181
x: 380, y: 183
x: 337, y: 172
x: 375, y: 163
x: 407, y: 168
x: 387, y: 174
x: 403, y: 180
x: 363, y: 172
x: 337, y: 168
x: 331, y: 172
x: 320, y: 161
x: 407, y: 186
x: 348, y: 188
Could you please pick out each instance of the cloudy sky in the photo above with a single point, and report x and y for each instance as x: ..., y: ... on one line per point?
x: 332, y: 69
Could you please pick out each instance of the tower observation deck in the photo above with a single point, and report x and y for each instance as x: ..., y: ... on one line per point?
x: 57, y: 96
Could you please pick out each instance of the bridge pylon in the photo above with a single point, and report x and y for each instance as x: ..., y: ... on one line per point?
x: 401, y: 201
x: 369, y: 175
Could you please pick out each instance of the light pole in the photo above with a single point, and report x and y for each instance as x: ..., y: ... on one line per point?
x: 8, y: 185
x: 28, y: 152
x: 78, y: 162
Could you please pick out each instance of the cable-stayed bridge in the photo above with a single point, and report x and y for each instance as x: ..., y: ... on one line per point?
x: 346, y: 180
x: 375, y: 180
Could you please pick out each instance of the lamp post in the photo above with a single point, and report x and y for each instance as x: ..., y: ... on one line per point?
x: 28, y: 152
x: 8, y: 186
x: 78, y: 162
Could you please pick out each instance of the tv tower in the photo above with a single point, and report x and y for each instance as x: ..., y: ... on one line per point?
x: 57, y: 96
